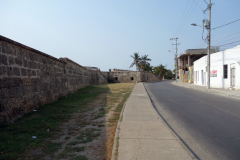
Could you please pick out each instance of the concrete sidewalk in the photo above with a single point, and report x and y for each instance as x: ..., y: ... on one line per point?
x: 143, y: 135
x: 225, y: 92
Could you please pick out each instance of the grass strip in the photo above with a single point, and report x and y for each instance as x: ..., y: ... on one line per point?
x: 16, y: 138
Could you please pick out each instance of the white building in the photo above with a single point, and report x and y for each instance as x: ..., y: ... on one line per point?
x: 224, y: 70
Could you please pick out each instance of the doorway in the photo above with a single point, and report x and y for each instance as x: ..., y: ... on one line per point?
x: 232, y: 77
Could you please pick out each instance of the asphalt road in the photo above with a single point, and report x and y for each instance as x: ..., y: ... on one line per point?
x: 207, y: 124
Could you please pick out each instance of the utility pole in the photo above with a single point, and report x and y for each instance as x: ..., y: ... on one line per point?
x: 176, y: 67
x: 209, y: 42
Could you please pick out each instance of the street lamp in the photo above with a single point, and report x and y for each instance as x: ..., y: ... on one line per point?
x: 194, y: 24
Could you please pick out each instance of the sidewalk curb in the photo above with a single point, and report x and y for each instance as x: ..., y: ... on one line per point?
x: 114, y: 157
x: 177, y: 138
x: 209, y: 91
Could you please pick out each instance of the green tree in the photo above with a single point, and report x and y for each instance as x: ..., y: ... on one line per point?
x: 136, y: 61
x: 159, y: 70
x: 147, y: 67
x: 169, y: 74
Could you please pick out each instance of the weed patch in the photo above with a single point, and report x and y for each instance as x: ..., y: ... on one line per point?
x: 72, y: 122
x: 16, y: 138
x: 51, y: 147
x: 88, y: 136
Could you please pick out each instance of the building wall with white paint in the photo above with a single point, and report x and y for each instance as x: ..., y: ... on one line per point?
x: 224, y: 70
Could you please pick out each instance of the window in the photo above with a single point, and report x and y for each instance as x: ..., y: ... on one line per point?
x: 225, y: 71
x: 116, y: 78
x: 132, y: 78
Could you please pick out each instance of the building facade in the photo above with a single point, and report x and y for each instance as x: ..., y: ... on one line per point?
x: 224, y: 70
x: 185, y: 63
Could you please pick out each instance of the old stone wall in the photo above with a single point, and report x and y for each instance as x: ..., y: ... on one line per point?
x: 106, y: 75
x: 30, y: 78
x: 130, y: 76
x: 149, y: 77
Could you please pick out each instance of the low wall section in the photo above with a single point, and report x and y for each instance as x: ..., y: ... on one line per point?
x: 30, y: 78
x: 130, y: 76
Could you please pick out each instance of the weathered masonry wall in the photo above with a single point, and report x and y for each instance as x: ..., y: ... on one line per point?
x: 149, y: 77
x: 30, y: 78
x: 78, y: 77
x: 130, y: 76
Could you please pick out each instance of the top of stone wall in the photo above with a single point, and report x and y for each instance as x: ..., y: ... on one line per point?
x: 67, y: 59
x: 2, y: 38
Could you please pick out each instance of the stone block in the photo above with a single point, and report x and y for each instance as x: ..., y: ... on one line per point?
x: 12, y: 49
x: 10, y: 60
x: 35, y: 58
x: 33, y: 73
x: 3, y: 59
x: 35, y: 65
x: 3, y: 70
x: 22, y: 53
x: 31, y: 57
x: 16, y: 71
x: 37, y: 72
x: 18, y: 61
x: 23, y: 72
x: 29, y: 72
x: 30, y: 64
x: 9, y: 71
x: 5, y: 48
x: 25, y: 63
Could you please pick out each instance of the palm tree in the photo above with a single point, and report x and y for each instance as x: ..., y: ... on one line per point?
x: 136, y: 61
x: 148, y: 68
x: 144, y: 65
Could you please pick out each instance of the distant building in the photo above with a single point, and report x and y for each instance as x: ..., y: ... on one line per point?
x: 185, y: 63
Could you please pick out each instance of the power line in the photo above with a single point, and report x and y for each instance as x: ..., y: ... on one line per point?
x: 227, y: 40
x: 198, y: 5
x: 226, y: 24
x: 205, y: 2
x: 198, y: 44
x: 202, y: 45
x: 229, y: 43
x: 187, y: 18
x: 226, y: 36
x: 182, y: 18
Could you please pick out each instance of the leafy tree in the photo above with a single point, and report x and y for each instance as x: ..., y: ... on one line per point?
x: 169, y: 74
x: 159, y: 70
x: 174, y: 71
x: 136, y: 61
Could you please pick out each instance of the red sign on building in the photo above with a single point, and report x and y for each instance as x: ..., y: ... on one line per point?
x: 213, y: 73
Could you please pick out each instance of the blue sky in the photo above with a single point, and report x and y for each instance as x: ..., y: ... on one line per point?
x: 104, y: 33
